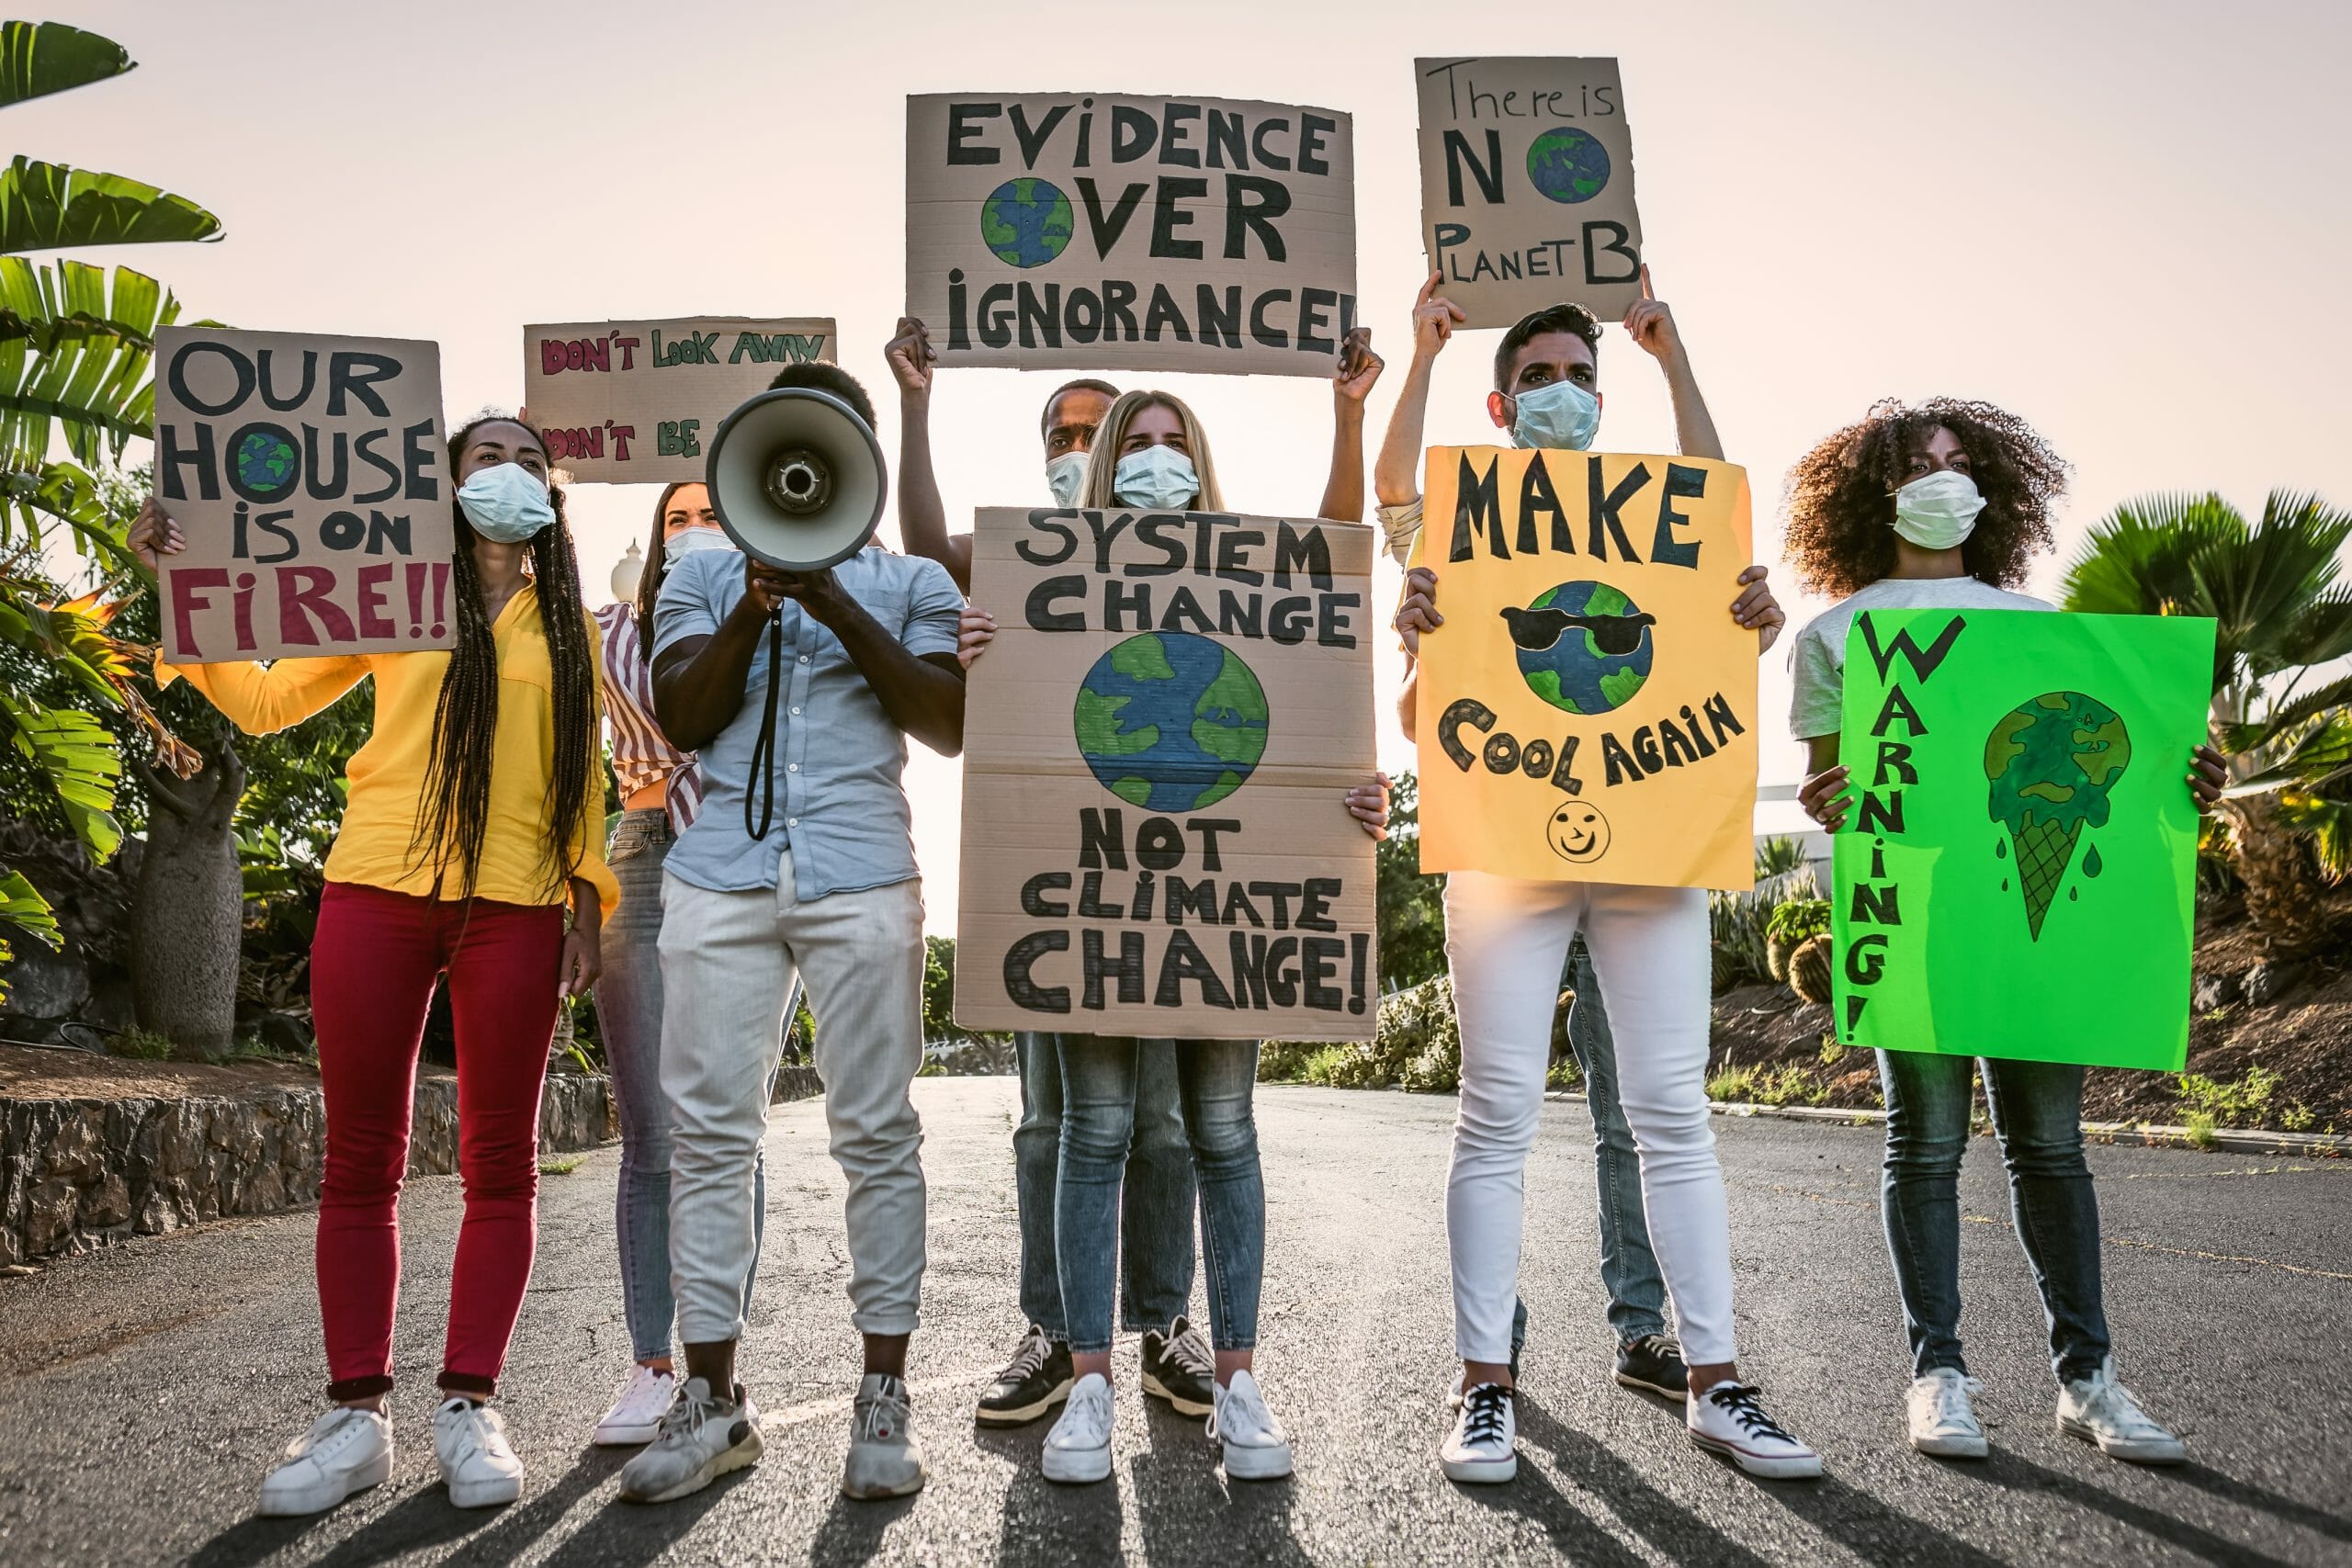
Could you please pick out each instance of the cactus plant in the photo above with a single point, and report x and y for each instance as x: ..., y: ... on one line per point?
x: 1809, y: 968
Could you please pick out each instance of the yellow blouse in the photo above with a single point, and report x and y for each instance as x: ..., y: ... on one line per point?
x: 387, y: 775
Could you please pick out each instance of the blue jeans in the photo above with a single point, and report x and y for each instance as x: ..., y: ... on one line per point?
x: 1214, y: 1079
x: 1158, y: 1204
x: 1629, y: 1270
x: 628, y: 1007
x: 2038, y: 1112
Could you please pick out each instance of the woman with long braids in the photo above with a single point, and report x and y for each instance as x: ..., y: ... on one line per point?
x: 465, y: 840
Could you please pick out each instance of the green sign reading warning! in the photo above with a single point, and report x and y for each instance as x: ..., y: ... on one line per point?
x: 2017, y: 878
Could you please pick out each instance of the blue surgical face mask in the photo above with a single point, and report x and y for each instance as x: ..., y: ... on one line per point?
x: 1066, y: 476
x: 507, y: 504
x: 693, y: 540
x: 1160, y: 477
x: 1937, y: 511
x: 1562, y: 415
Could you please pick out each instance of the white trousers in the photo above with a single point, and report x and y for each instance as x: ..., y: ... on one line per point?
x: 1506, y: 944
x: 728, y: 962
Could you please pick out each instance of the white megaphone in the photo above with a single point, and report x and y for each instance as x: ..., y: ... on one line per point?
x: 796, y: 478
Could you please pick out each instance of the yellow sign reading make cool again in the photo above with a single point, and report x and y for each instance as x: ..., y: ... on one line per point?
x: 1587, y: 711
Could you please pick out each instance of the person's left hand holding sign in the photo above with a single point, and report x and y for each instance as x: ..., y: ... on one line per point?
x: 153, y: 535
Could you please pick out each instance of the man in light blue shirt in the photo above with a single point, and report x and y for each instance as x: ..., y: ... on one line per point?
x: 801, y: 864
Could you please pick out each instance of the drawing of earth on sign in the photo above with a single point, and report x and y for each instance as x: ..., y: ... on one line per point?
x: 1582, y: 646
x: 1171, y: 722
x: 1027, y: 221
x: 1567, y: 165
x: 2052, y: 762
x: 267, y: 465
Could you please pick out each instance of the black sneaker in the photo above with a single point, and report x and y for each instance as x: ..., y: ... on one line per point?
x: 1036, y: 1378
x: 1179, y: 1367
x: 1652, y: 1364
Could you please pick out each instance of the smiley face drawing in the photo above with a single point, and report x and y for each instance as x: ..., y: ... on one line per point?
x: 1578, y: 832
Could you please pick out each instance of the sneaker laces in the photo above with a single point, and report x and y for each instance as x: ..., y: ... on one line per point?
x: 884, y: 1416
x: 2120, y: 1407
x: 1482, y: 1414
x: 1189, y: 1351
x: 1659, y: 1345
x: 1948, y: 1398
x: 1028, y: 1357
x: 685, y: 1416
x: 329, y: 1432
x: 1738, y: 1401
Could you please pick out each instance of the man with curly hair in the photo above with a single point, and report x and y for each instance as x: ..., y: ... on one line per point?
x: 1507, y: 939
x: 1942, y: 506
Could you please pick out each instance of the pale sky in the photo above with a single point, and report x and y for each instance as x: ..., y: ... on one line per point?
x: 2127, y: 221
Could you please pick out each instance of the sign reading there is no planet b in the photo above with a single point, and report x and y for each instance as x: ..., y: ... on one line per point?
x: 1527, y: 186
x: 1107, y: 231
x: 311, y: 479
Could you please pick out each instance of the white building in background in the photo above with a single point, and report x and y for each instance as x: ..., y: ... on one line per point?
x: 1778, y: 816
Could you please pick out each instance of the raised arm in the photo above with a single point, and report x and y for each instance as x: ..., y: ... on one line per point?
x: 1396, y: 473
x: 1351, y: 384
x: 923, y: 517
x: 1651, y: 325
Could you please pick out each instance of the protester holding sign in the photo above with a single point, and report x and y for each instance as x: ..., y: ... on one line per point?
x: 1508, y: 938
x: 1150, y: 453
x: 467, y: 830
x: 1943, y: 506
x: 826, y: 889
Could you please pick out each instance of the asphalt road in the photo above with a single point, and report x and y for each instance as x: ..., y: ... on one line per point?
x: 144, y: 1389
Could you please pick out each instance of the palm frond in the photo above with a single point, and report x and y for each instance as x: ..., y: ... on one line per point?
x: 76, y: 354
x: 48, y: 207
x: 41, y: 58
x: 79, y: 757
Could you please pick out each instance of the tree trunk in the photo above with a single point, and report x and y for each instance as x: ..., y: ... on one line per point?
x: 189, y: 913
x: 2285, y: 894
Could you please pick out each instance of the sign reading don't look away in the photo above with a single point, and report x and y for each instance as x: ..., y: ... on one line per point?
x: 1106, y: 231
x: 1157, y: 752
x: 310, y: 477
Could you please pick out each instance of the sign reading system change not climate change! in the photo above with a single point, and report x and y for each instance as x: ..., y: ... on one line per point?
x: 1155, y: 757
x: 311, y: 479
x: 1587, y: 711
x: 1105, y: 231
x: 1527, y: 186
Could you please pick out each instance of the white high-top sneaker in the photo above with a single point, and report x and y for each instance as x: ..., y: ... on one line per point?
x: 1943, y: 1422
x: 2099, y: 1410
x: 346, y: 1450
x: 1079, y: 1448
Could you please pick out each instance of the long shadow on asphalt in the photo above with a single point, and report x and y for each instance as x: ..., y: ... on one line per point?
x: 2245, y: 1494
x: 1870, y: 1530
x: 1185, y: 1514
x: 2007, y: 1470
x: 1670, y: 1527
x: 1041, y: 1523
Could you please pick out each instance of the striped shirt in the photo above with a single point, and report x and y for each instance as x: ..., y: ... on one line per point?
x: 642, y: 755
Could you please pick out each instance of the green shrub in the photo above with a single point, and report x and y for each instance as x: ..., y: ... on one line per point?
x: 2242, y: 1103
x: 1791, y: 1084
x: 142, y: 1045
x: 1284, y: 1061
x: 1562, y: 1076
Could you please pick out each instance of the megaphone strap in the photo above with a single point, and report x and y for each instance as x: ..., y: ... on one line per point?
x: 762, y: 778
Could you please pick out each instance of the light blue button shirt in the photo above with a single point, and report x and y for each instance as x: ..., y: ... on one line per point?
x: 839, y: 802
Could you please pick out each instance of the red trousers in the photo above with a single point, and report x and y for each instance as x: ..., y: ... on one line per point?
x: 374, y: 962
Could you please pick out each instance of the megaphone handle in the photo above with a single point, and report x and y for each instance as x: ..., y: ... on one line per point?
x: 763, y: 777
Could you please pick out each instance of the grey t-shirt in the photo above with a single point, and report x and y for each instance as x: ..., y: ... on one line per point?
x: 1818, y: 657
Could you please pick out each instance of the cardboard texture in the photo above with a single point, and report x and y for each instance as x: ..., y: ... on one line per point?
x: 1527, y: 186
x: 2017, y: 874
x: 1587, y: 712
x: 1105, y: 232
x: 310, y: 477
x: 1156, y: 751
x: 637, y: 403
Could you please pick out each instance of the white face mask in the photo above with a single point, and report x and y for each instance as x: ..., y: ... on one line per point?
x: 1937, y: 511
x: 1160, y: 477
x: 505, y: 502
x: 693, y: 540
x: 1066, y: 476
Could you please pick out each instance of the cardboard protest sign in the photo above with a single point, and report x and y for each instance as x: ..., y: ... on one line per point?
x: 634, y: 402
x: 1587, y: 712
x: 1106, y: 231
x: 2017, y: 877
x: 1155, y: 747
x: 1527, y: 186
x: 309, y: 476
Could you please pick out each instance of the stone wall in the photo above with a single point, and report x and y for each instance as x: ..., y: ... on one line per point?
x: 78, y: 1173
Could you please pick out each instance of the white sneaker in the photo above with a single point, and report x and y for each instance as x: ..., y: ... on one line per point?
x: 701, y: 1438
x: 1726, y: 1419
x: 478, y: 1464
x: 884, y: 1460
x: 2099, y: 1410
x: 1079, y: 1448
x: 637, y: 1409
x: 1943, y: 1422
x: 1484, y: 1445
x: 1255, y: 1448
x: 346, y: 1450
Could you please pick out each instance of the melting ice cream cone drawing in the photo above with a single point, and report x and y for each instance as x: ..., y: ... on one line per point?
x: 2052, y: 762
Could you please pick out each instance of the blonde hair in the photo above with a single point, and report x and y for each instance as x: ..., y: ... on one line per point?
x: 1102, y: 452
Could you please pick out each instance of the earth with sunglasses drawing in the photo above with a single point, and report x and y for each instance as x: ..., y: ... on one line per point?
x: 1583, y: 647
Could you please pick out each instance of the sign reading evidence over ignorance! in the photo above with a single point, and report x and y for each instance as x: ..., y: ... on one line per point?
x: 1156, y: 754
x: 309, y: 476
x: 1527, y: 186
x: 635, y: 402
x: 1112, y: 233
x: 1587, y: 712
x: 2017, y: 877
